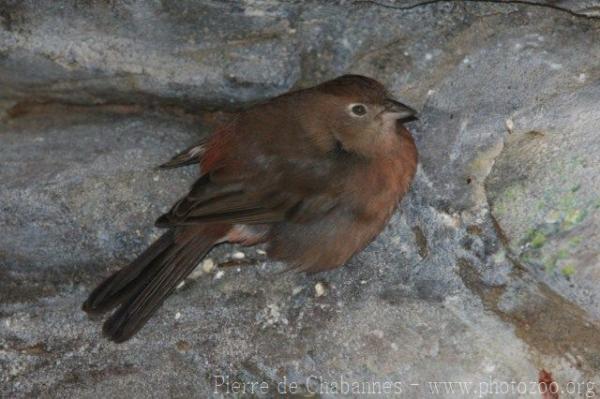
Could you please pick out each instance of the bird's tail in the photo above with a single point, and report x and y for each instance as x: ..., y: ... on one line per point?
x: 141, y: 287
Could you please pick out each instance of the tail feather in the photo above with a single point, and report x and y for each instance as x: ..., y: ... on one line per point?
x: 142, y: 287
x: 116, y: 288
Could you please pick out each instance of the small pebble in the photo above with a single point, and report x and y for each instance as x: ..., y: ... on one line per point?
x: 195, y: 275
x: 296, y: 290
x: 177, y: 316
x: 183, y: 346
x: 208, y: 265
x: 238, y: 255
x: 219, y: 274
x: 180, y: 285
x: 510, y: 125
x: 451, y: 220
x: 320, y: 290
x: 261, y: 252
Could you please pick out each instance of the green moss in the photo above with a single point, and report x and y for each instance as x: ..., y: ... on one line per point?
x: 581, y: 161
x: 512, y: 192
x: 550, y: 264
x: 567, y: 201
x: 526, y: 258
x: 499, y: 256
x: 510, y: 196
x: 553, y: 216
x: 575, y: 241
x: 500, y: 209
x: 574, y: 217
x: 562, y: 254
x: 537, y: 239
x: 568, y: 271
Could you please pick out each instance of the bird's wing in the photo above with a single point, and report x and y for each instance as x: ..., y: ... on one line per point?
x: 211, y: 202
x: 249, y: 200
x: 252, y: 181
x: 190, y: 156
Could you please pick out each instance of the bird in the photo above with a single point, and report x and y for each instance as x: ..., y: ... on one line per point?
x: 314, y: 174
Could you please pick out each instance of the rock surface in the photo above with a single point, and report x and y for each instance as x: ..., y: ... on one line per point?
x: 488, y: 273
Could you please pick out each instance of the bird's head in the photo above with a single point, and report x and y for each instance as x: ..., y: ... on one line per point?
x: 361, y: 114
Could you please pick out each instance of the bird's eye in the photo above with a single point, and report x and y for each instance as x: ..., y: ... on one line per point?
x: 358, y: 110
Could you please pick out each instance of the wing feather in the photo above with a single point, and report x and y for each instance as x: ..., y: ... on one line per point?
x: 249, y: 177
x: 190, y: 156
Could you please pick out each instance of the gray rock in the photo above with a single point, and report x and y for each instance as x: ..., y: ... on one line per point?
x: 544, y: 191
x: 488, y: 273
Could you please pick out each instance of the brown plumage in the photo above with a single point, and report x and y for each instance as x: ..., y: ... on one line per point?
x: 315, y: 173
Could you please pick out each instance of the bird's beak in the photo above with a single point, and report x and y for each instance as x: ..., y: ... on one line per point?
x: 396, y: 110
